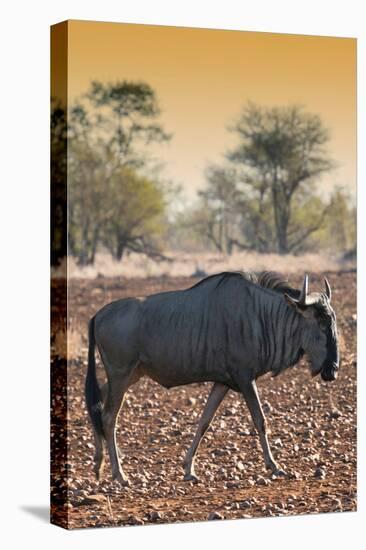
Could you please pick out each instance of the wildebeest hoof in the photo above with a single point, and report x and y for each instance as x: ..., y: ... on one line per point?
x: 123, y: 481
x: 191, y: 477
x: 279, y: 473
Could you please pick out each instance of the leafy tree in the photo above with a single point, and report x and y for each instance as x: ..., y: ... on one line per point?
x: 255, y: 223
x: 309, y: 215
x: 338, y: 233
x: 135, y: 207
x: 110, y: 204
x: 126, y: 115
x: 88, y: 188
x: 281, y: 152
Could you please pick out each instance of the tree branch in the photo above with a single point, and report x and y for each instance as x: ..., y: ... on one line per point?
x: 240, y: 245
x: 310, y: 230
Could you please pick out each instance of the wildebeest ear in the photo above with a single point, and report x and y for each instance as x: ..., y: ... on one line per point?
x: 305, y: 310
x: 300, y: 308
x: 328, y: 290
x: 291, y: 301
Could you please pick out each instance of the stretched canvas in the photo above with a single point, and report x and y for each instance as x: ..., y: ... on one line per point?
x: 203, y: 281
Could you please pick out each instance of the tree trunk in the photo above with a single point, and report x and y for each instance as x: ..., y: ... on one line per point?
x: 282, y: 217
x: 220, y: 237
x: 282, y: 240
x: 83, y: 256
x: 120, y: 249
x: 94, y: 245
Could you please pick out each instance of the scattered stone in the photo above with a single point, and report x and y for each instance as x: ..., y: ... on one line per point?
x: 230, y: 411
x: 215, y: 515
x: 337, y: 503
x: 267, y: 407
x: 319, y: 473
x: 315, y: 457
x: 245, y: 504
x: 155, y: 515
x: 263, y: 481
x: 233, y: 484
x: 90, y: 500
x: 335, y: 413
x: 134, y: 520
x: 220, y: 452
x: 191, y: 401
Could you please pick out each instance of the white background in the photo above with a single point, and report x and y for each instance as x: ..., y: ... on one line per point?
x: 24, y: 259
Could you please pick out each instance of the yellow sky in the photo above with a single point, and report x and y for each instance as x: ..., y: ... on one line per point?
x: 203, y: 78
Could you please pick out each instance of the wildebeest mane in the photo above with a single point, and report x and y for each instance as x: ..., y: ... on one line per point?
x: 270, y: 280
x: 226, y: 275
x: 275, y: 281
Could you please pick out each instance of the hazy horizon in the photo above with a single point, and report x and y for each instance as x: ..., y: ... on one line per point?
x: 204, y: 77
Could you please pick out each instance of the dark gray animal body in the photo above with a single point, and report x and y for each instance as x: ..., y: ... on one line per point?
x: 229, y: 328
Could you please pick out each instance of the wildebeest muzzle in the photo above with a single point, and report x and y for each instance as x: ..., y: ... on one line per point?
x: 329, y: 372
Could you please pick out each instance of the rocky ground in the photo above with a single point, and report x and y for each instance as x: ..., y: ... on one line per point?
x: 313, y: 434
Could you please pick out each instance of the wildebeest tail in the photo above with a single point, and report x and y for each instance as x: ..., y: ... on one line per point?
x: 93, y: 395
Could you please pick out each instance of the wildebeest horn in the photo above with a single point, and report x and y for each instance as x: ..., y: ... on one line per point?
x: 304, y: 291
x: 328, y: 290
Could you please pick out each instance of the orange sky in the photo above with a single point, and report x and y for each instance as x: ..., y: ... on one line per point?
x: 203, y: 78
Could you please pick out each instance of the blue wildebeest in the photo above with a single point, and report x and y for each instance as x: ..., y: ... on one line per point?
x: 229, y: 329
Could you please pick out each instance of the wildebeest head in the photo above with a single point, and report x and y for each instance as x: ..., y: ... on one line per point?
x: 321, y: 338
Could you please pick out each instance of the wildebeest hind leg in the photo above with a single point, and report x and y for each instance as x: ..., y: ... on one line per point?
x: 118, y: 384
x: 216, y: 396
x: 99, y: 455
x: 250, y: 393
x: 99, y: 443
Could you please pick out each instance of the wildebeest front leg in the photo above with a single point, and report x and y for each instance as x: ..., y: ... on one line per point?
x: 217, y: 394
x: 250, y: 393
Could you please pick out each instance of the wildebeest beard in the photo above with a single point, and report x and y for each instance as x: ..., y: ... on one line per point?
x: 329, y: 371
x: 330, y: 366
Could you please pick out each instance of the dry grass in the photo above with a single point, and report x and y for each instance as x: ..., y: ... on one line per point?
x: 185, y: 264
x: 68, y: 344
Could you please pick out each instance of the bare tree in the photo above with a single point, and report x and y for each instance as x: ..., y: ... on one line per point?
x: 220, y: 200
